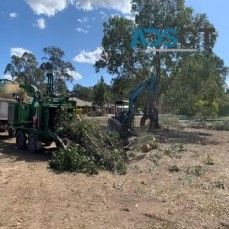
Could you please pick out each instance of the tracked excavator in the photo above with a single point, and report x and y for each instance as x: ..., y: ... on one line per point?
x: 123, y: 122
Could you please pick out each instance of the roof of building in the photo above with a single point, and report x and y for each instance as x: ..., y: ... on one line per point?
x: 81, y: 103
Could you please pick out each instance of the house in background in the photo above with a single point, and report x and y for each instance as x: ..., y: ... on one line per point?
x: 86, y: 107
x: 92, y: 109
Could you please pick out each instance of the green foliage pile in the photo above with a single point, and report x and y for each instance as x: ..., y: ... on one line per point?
x: 174, y: 150
x: 145, y: 138
x: 90, y: 149
x: 197, y: 170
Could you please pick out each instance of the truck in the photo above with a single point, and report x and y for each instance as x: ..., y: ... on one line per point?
x: 8, y: 89
x: 3, y: 115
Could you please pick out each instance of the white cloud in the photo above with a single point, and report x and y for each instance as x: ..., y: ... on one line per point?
x: 130, y: 16
x: 47, y: 7
x: 18, y: 51
x: 7, y: 76
x: 88, y: 57
x: 51, y: 7
x: 13, y: 15
x: 83, y: 20
x: 103, y: 14
x: 74, y: 74
x: 81, y: 30
x: 123, y: 6
x: 115, y: 15
x: 40, y: 23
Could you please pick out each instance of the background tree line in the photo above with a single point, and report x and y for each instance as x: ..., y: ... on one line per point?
x: 26, y: 69
x: 188, y: 83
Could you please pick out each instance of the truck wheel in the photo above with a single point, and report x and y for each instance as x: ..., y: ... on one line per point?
x: 34, y: 145
x: 20, y: 140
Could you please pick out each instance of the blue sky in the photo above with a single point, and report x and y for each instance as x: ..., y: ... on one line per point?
x: 76, y: 27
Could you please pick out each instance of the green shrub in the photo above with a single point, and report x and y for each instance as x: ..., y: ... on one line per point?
x: 174, y: 168
x: 209, y: 160
x: 197, y: 170
x: 174, y: 150
x: 205, y: 108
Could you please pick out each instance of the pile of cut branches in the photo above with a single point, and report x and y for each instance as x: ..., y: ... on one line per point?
x: 90, y: 149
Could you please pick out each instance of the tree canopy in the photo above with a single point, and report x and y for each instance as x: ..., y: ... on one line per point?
x: 101, y: 92
x: 136, y: 63
x: 62, y: 69
x: 82, y: 92
x: 26, y: 69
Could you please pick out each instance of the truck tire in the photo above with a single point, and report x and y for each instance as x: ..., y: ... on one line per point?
x: 33, y: 145
x: 20, y: 140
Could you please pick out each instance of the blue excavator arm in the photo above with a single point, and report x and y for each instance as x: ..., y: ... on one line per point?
x: 124, y: 122
x: 150, y: 84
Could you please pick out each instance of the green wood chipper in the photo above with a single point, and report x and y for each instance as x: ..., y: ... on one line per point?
x: 33, y: 118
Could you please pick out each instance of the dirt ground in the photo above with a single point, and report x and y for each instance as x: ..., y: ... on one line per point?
x: 162, y: 188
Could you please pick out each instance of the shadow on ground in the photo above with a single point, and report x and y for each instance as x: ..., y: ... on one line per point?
x: 135, y: 158
x: 183, y: 136
x: 9, y: 150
